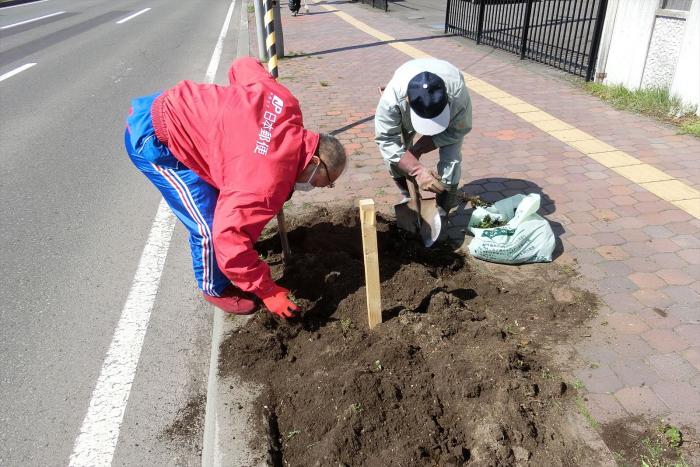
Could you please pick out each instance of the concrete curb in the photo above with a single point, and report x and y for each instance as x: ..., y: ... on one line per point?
x: 229, y: 411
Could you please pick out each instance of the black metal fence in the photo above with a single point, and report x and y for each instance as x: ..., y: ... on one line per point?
x: 562, y: 33
x: 381, y: 4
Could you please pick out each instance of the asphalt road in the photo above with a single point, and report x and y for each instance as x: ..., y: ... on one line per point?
x: 75, y: 216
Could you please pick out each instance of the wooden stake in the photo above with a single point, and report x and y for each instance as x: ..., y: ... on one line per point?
x: 371, y: 254
x: 283, y: 235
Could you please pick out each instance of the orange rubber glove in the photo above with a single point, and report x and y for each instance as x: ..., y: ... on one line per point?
x: 276, y: 299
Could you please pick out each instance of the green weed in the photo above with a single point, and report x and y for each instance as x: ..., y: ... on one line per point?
x: 346, y: 325
x: 578, y: 385
x: 654, y: 102
x: 293, y: 298
x: 673, y: 436
x: 583, y: 410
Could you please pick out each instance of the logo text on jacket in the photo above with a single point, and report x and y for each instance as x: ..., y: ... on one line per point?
x: 273, y: 107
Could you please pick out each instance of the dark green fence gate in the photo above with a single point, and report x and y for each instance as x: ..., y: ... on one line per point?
x: 562, y: 33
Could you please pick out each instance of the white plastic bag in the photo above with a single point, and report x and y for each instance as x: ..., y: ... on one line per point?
x: 526, y: 238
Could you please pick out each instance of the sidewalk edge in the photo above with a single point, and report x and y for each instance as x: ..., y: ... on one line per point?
x: 217, y: 423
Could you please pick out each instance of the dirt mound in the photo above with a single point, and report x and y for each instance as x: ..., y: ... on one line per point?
x: 457, y: 374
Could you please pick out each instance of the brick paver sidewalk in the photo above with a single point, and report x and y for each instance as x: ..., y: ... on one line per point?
x: 639, y: 253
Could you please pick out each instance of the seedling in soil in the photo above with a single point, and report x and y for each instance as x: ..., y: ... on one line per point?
x: 578, y: 385
x: 381, y: 192
x: 488, y: 223
x: 673, y: 435
x: 377, y: 366
x: 356, y: 408
x: 346, y: 325
x: 291, y: 434
x: 663, y: 448
x: 294, y: 299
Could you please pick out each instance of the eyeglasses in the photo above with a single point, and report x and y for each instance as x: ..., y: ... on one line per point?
x: 331, y: 183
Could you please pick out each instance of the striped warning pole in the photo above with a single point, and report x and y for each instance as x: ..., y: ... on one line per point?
x: 272, y: 68
x: 270, y: 38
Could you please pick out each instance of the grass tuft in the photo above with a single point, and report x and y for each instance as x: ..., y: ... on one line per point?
x: 654, y: 102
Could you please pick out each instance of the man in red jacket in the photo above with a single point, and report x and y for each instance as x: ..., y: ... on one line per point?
x: 226, y: 159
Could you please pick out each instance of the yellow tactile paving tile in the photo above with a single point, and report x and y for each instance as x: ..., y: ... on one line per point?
x: 691, y: 206
x: 539, y: 116
x: 671, y: 190
x: 572, y: 134
x: 592, y: 146
x: 642, y: 173
x: 656, y: 181
x: 612, y: 159
x: 521, y: 108
x: 409, y: 50
x: 551, y: 125
x: 508, y: 100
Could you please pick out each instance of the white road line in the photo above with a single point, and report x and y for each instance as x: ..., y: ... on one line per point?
x: 99, y: 432
x: 32, y: 20
x: 216, y: 55
x: 19, y: 69
x: 23, y: 4
x: 124, y: 20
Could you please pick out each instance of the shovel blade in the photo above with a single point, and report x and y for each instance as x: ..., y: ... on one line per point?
x: 407, y: 217
x: 423, y: 219
x: 431, y: 223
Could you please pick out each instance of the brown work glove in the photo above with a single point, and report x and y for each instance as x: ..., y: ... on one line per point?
x: 427, y: 179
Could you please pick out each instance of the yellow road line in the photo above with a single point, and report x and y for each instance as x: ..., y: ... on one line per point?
x: 652, y: 179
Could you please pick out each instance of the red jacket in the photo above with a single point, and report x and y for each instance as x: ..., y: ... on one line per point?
x: 247, y: 140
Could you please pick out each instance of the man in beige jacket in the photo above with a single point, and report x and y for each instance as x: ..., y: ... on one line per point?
x: 426, y: 96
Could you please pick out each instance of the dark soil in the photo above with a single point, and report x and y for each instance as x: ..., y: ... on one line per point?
x: 188, y: 422
x: 460, y: 372
x: 638, y: 440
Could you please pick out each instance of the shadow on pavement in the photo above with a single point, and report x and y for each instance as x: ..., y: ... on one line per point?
x: 371, y: 44
x: 345, y: 128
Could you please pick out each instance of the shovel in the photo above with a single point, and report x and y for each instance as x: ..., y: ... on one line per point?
x: 419, y: 215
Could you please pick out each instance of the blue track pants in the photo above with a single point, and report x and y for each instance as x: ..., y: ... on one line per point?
x: 192, y: 199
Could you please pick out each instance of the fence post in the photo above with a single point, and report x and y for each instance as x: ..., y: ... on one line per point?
x: 447, y: 15
x: 597, y: 31
x: 480, y: 27
x: 526, y: 28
